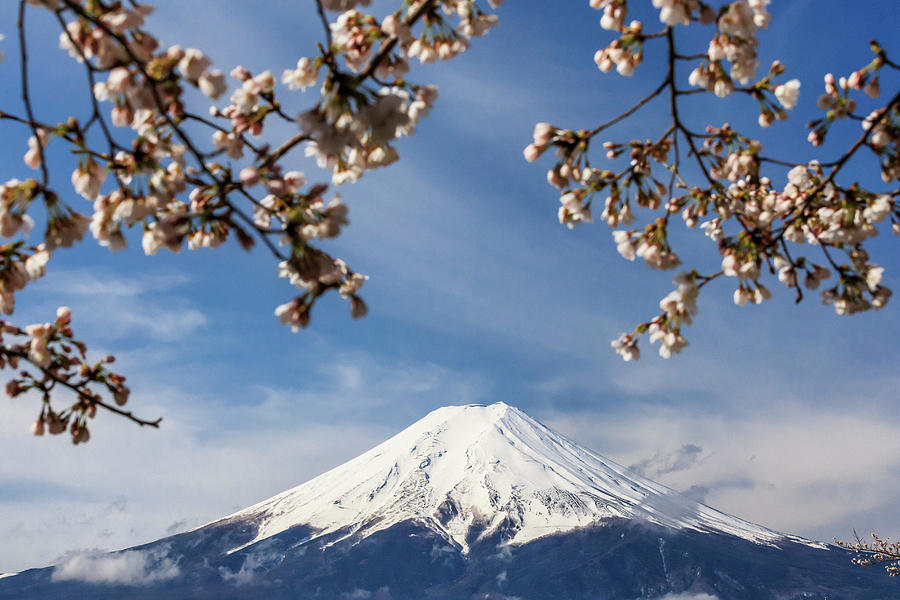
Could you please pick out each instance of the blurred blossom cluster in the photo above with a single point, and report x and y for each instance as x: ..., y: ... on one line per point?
x: 140, y: 161
x: 795, y: 221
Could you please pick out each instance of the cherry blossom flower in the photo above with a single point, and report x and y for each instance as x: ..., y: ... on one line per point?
x: 88, y: 178
x: 38, y: 352
x: 212, y: 83
x: 787, y: 93
x: 675, y: 12
x: 305, y: 75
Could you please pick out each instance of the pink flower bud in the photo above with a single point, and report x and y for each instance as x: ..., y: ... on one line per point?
x: 122, y: 116
x: 32, y: 158
x: 358, y: 308
x: 120, y: 396
x: 872, y: 88
x: 249, y: 176
x: 554, y: 178
x: 543, y: 133
x: 63, y: 315
x: 55, y: 425
x: 531, y: 153
x: 240, y: 73
x: 175, y: 52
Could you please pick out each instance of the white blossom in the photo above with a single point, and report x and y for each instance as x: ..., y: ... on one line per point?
x: 88, y: 178
x: 787, y: 93
x: 627, y: 348
x: 193, y: 64
x: 305, y: 75
x: 212, y: 83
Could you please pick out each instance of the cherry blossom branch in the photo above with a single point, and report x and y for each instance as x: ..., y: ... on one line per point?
x: 61, y: 361
x: 883, y: 551
x: 287, y: 146
x: 80, y: 392
x: 386, y: 48
x: 26, y: 97
x: 673, y: 105
x: 325, y: 24
x: 631, y: 110
x: 812, y: 207
x: 861, y: 140
x: 350, y: 130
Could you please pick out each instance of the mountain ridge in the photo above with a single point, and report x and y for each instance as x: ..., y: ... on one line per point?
x: 487, y: 466
x: 469, y: 503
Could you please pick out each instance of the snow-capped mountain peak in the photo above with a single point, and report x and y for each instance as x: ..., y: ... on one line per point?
x: 482, y: 468
x: 469, y: 502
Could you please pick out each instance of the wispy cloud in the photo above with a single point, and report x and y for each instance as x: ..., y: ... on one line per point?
x: 253, y: 564
x: 116, y: 306
x: 688, y: 596
x: 243, y: 448
x: 658, y: 465
x: 92, y: 283
x: 383, y: 593
x: 356, y: 387
x: 124, y: 568
x: 788, y: 468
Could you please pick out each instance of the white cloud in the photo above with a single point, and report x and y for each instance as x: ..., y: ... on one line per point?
x: 677, y: 460
x: 226, y: 469
x: 114, y: 306
x: 253, y: 562
x: 687, y: 596
x: 93, y: 283
x: 242, y: 448
x: 126, y: 568
x: 791, y: 468
x: 383, y: 593
x: 356, y: 384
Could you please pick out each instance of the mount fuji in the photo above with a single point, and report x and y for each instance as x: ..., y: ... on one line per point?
x: 470, y: 502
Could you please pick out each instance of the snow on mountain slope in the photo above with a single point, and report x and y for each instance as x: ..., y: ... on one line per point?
x: 488, y: 467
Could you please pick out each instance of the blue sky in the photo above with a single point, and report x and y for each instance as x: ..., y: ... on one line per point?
x: 477, y: 294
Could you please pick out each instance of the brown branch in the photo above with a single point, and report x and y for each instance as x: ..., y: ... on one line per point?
x: 631, y: 110
x: 839, y: 163
x: 388, y: 46
x: 20, y: 25
x: 68, y: 137
x: 286, y: 147
x: 673, y: 107
x: 894, y: 103
x: 325, y: 24
x: 217, y: 127
x: 128, y: 415
x: 150, y: 83
x: 82, y: 393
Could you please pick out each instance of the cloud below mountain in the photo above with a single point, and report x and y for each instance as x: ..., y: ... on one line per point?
x: 687, y: 597
x: 132, y: 567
